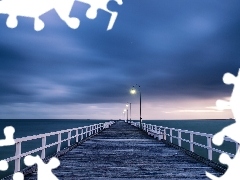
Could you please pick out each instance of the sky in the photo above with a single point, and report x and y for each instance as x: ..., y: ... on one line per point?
x: 176, y: 50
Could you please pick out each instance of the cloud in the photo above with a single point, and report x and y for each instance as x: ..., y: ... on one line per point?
x: 175, y: 50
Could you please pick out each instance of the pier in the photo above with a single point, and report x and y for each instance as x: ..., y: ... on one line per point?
x: 123, y: 151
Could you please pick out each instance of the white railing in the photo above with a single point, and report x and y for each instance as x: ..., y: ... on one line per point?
x: 80, y: 134
x: 160, y: 132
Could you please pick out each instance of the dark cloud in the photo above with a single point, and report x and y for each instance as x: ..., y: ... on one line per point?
x: 175, y: 49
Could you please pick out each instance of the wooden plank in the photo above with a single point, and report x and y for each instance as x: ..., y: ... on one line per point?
x: 125, y: 152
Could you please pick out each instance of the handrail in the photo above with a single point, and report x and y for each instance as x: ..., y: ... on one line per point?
x: 84, y: 131
x: 160, y: 133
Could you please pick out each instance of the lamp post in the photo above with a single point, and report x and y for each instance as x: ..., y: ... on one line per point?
x: 124, y: 111
x: 129, y: 109
x: 127, y: 112
x: 134, y: 91
x: 130, y: 113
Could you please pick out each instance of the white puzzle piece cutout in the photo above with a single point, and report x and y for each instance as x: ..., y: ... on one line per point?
x: 36, y: 8
x: 44, y: 170
x: 232, y: 131
x: 8, y: 133
x: 233, y: 172
x: 18, y: 176
x: 101, y: 4
x: 8, y: 141
x: 3, y: 165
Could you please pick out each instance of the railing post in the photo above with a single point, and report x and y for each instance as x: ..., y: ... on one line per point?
x: 191, y: 142
x: 59, y: 142
x: 76, y: 135
x: 170, y: 135
x: 43, y: 146
x: 69, y: 138
x: 179, y: 137
x: 17, y: 153
x: 86, y: 132
x: 164, y: 134
x: 89, y: 132
x: 209, y: 144
x: 159, y: 133
x: 81, y: 133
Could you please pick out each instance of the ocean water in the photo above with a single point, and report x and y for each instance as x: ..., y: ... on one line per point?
x: 209, y: 126
x: 31, y: 127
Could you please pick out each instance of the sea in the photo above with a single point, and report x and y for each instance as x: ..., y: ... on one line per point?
x: 29, y: 127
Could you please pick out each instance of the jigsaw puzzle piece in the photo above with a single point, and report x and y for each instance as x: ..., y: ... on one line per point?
x: 12, y: 21
x: 24, y: 8
x: 3, y: 165
x: 232, y: 172
x: 211, y: 176
x: 231, y: 131
x: 36, y: 8
x: 63, y: 8
x: 218, y: 138
x: 224, y: 159
x: 44, y: 170
x: 18, y: 176
x: 8, y: 133
x: 38, y: 24
x: 221, y: 104
x: 53, y: 163
x: 95, y: 5
x: 229, y: 78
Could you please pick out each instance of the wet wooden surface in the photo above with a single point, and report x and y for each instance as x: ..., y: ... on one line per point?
x: 125, y: 152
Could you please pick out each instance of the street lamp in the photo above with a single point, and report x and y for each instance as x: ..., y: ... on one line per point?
x: 134, y: 91
x: 124, y: 115
x: 124, y: 111
x: 127, y: 112
x: 129, y: 109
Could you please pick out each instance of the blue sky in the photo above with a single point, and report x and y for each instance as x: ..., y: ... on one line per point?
x: 177, y: 50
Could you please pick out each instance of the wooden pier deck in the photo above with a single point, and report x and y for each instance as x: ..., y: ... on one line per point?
x: 125, y: 152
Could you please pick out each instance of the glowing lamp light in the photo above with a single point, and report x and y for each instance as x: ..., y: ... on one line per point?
x: 133, y: 91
